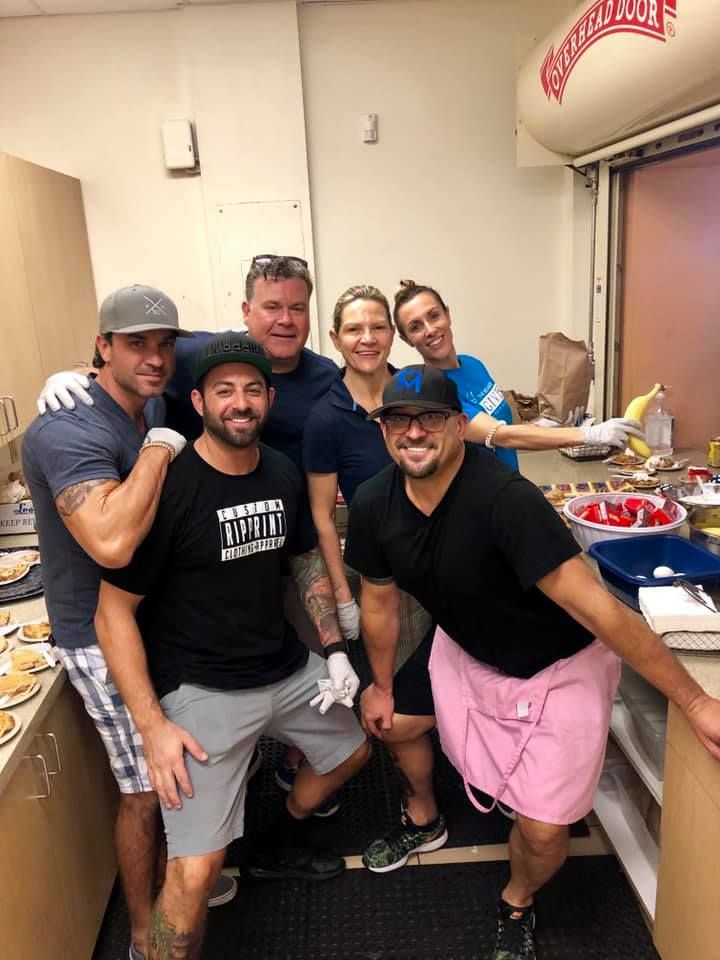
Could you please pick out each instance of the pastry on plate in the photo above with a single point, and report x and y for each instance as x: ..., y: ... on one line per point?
x: 13, y: 571
x: 4, y: 618
x: 7, y: 723
x: 27, y: 660
x: 36, y: 631
x: 15, y: 683
x: 626, y: 460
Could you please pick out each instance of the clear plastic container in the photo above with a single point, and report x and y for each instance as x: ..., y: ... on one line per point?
x: 659, y: 426
x: 648, y: 713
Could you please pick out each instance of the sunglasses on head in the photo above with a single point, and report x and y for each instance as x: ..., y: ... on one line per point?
x: 265, y: 260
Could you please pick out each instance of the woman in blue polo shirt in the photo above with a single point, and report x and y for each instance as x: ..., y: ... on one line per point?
x: 423, y: 320
x: 342, y: 448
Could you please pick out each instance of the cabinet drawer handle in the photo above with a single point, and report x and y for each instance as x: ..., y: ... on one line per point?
x: 58, y: 762
x: 16, y: 424
x: 41, y: 758
x: 4, y: 409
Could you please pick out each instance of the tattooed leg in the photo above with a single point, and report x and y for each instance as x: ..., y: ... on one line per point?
x: 177, y: 924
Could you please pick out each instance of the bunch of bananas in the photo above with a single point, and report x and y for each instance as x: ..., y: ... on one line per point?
x: 636, y: 411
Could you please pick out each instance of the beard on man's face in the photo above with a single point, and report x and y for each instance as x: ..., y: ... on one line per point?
x: 234, y: 435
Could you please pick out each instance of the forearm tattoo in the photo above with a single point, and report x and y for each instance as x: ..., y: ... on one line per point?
x: 73, y: 497
x: 168, y: 943
x: 316, y: 593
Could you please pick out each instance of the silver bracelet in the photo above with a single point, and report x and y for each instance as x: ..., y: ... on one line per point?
x: 489, y: 438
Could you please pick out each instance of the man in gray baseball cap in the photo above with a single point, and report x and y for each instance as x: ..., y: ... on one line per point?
x: 95, y: 474
x: 139, y: 308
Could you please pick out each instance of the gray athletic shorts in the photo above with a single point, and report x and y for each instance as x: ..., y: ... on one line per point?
x: 228, y: 723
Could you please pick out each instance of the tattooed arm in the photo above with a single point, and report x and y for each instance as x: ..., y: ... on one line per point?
x: 316, y: 592
x: 109, y: 518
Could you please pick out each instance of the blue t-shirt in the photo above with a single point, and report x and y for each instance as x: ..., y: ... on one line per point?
x: 339, y: 439
x: 479, y: 393
x: 297, y: 393
x: 60, y: 449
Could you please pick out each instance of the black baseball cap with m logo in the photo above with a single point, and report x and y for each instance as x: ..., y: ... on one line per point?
x: 419, y: 386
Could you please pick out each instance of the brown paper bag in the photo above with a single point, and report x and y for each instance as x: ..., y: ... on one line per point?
x: 564, y: 376
x: 524, y: 408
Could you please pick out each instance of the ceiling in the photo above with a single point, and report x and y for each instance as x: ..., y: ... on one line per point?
x: 39, y: 8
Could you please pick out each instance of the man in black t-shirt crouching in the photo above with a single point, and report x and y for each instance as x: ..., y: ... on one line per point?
x: 525, y: 660
x: 195, y: 637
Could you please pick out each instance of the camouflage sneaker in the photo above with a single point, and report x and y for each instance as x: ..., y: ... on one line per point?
x: 392, y: 851
x: 515, y: 939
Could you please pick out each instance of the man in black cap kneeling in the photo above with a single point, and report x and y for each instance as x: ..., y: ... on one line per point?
x: 194, y: 634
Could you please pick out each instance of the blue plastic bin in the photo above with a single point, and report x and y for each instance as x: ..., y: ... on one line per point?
x: 628, y: 564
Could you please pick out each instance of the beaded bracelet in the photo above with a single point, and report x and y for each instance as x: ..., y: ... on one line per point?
x: 489, y: 438
x: 160, y: 443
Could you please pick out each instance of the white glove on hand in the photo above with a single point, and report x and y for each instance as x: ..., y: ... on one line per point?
x: 349, y: 620
x: 340, y: 687
x: 58, y: 391
x: 614, y: 432
x: 166, y: 435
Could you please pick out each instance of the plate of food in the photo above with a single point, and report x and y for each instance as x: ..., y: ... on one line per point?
x: 34, y: 631
x: 12, y: 571
x: 665, y: 463
x: 31, y: 659
x: 645, y: 483
x: 16, y: 687
x: 625, y: 460
x: 9, y: 726
x: 6, y: 624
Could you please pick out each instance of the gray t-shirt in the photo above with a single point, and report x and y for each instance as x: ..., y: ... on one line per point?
x: 60, y: 449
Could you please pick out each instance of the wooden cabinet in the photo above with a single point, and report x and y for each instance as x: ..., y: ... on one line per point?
x: 687, y: 898
x: 48, y: 310
x: 57, y: 814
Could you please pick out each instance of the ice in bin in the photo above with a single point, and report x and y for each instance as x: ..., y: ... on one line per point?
x: 648, y: 714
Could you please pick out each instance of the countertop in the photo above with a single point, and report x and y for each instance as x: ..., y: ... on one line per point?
x: 550, y: 466
x: 32, y: 712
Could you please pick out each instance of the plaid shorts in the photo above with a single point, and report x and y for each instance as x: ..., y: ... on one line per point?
x: 88, y: 673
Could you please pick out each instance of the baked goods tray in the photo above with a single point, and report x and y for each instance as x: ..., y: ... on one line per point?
x: 586, y: 451
x: 31, y: 585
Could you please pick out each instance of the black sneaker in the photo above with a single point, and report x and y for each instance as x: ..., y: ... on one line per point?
x: 295, y: 863
x: 515, y: 940
x: 392, y: 851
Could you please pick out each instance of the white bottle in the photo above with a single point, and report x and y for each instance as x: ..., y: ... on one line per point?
x: 659, y: 427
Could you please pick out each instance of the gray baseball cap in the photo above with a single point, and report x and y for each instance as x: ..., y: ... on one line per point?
x: 138, y: 308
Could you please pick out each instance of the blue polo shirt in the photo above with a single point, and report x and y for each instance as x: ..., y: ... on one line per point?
x: 339, y: 439
x: 296, y: 393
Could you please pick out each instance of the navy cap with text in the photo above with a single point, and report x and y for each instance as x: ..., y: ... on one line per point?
x: 419, y: 386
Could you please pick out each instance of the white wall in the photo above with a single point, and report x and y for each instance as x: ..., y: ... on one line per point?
x: 87, y: 95
x: 439, y: 198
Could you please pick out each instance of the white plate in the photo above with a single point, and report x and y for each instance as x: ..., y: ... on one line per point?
x: 6, y: 663
x: 6, y: 583
x: 20, y: 697
x: 21, y: 635
x: 11, y: 733
x: 8, y: 629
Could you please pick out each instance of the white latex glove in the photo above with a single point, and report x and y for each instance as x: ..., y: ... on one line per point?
x: 614, y: 432
x: 340, y: 687
x: 59, y: 389
x: 165, y: 435
x: 349, y: 619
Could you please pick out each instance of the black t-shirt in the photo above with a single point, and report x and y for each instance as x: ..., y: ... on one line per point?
x: 473, y: 564
x: 210, y: 571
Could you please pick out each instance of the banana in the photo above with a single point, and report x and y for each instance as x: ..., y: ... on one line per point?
x: 636, y: 411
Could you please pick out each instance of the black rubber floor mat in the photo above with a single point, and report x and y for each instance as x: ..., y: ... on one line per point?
x: 420, y: 913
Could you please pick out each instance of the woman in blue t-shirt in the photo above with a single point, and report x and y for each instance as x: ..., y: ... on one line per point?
x: 423, y: 320
x: 342, y: 448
